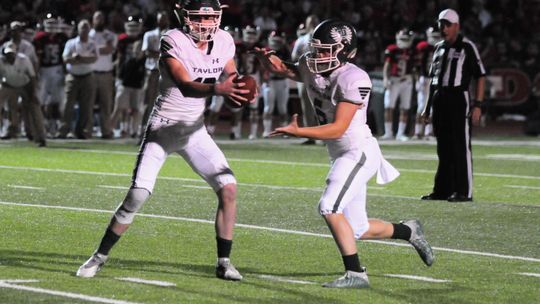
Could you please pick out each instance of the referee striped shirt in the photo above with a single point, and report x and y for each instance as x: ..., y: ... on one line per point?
x: 454, y: 65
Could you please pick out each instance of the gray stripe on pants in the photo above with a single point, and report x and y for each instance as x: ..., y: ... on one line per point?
x: 349, y: 181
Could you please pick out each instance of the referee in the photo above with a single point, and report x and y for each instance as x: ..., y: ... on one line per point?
x: 455, y: 61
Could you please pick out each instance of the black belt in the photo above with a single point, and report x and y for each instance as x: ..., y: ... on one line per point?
x: 102, y: 72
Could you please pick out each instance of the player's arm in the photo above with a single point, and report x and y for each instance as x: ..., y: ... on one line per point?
x: 196, y: 89
x: 344, y: 114
x: 386, y: 74
x: 274, y: 64
x: 477, y: 107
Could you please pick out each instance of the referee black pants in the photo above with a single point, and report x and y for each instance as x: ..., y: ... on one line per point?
x: 452, y: 128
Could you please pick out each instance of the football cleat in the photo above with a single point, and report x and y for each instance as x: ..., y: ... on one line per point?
x: 226, y: 271
x: 350, y: 279
x: 92, y: 266
x: 418, y: 241
x: 387, y: 137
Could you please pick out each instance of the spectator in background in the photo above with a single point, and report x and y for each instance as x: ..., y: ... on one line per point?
x: 150, y: 48
x: 301, y: 46
x: 106, y: 42
x: 23, y: 46
x: 79, y: 55
x: 398, y: 82
x: 49, y: 44
x: 265, y: 22
x: 131, y: 72
x: 18, y: 80
x: 275, y: 87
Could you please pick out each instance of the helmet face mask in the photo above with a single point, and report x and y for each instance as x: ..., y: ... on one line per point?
x: 53, y: 24
x: 276, y: 41
x: 433, y: 35
x: 250, y: 35
x: 333, y: 44
x: 200, y: 18
x: 133, y: 26
x: 404, y: 39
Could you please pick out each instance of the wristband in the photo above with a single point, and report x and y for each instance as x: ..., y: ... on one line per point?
x: 477, y: 104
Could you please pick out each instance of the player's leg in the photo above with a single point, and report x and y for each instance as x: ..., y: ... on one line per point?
x: 150, y: 159
x: 344, y: 181
x: 68, y: 109
x: 282, y: 100
x: 136, y: 105
x: 207, y: 160
x: 86, y: 89
x: 236, y: 123
x: 121, y: 105
x: 11, y: 97
x: 269, y: 97
x: 405, y: 94
x: 254, y: 118
x: 213, y: 113
x: 390, y: 99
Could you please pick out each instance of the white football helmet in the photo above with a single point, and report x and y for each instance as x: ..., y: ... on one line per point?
x: 404, y: 39
x: 133, y: 26
x: 190, y: 12
x: 250, y: 34
x: 53, y: 24
x: 433, y: 35
x: 333, y: 43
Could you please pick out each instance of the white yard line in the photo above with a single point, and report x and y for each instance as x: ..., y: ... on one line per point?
x: 113, y: 187
x: 530, y: 274
x: 127, y: 188
x: 18, y: 281
x: 522, y: 187
x: 147, y: 282
x: 285, y: 280
x: 417, y: 278
x: 4, y: 284
x: 468, y: 252
x: 25, y: 187
x: 303, y: 164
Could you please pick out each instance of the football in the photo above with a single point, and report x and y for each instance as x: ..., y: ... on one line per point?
x: 250, y: 84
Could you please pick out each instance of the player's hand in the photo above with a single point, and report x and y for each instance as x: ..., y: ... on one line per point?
x: 425, y: 117
x: 386, y: 83
x: 475, y: 115
x: 290, y: 129
x: 232, y: 90
x: 261, y: 52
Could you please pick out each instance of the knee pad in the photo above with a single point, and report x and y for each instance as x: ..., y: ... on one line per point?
x: 135, y: 198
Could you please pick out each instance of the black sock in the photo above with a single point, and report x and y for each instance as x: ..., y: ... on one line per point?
x: 223, y: 247
x: 352, y: 262
x: 401, y: 232
x: 107, y: 242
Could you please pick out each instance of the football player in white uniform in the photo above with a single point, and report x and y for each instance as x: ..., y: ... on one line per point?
x: 192, y: 58
x: 340, y: 92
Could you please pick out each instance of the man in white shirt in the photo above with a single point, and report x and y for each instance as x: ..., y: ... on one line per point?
x: 103, y: 71
x: 79, y: 54
x: 18, y: 80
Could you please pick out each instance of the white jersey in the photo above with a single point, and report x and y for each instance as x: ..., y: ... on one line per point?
x: 202, y: 66
x: 347, y: 83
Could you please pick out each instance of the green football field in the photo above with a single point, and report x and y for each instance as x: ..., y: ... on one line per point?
x: 55, y: 203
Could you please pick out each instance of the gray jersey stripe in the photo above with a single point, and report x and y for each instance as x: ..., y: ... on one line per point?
x: 349, y: 181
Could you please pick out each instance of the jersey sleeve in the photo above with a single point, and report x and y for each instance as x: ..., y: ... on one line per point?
x: 354, y: 87
x: 168, y: 48
x: 230, y: 48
